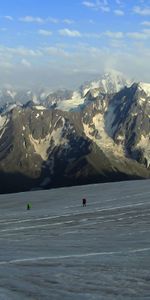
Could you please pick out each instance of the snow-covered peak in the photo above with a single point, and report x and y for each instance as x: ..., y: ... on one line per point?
x: 111, y: 82
x: 43, y: 95
x: 35, y: 100
x: 145, y: 87
x: 11, y: 93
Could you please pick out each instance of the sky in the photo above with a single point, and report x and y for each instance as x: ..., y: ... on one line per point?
x: 62, y: 43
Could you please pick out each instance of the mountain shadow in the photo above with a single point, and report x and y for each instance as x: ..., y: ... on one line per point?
x: 16, y: 182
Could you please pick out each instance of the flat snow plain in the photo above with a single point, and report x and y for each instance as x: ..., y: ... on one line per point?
x: 61, y: 250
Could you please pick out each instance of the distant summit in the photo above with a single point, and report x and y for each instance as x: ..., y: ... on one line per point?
x: 110, y: 82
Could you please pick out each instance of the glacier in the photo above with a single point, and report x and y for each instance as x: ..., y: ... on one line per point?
x: 61, y: 250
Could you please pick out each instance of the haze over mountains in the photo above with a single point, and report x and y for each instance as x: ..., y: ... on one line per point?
x: 98, y: 133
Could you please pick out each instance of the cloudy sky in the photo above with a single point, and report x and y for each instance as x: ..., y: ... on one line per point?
x: 62, y: 43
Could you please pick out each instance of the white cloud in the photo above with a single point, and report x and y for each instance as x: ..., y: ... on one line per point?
x: 30, y: 19
x: 44, y: 32
x: 70, y: 33
x: 52, y: 20
x: 114, y: 35
x: 22, y: 51
x: 38, y: 20
x: 89, y: 4
x: 25, y: 63
x: 120, y: 3
x: 119, y: 44
x: 142, y: 11
x: 9, y: 18
x: 146, y: 23
x: 97, y: 5
x: 86, y: 62
x: 139, y: 35
x: 119, y: 12
x: 147, y: 31
x: 93, y: 35
x: 68, y: 21
x: 55, y: 51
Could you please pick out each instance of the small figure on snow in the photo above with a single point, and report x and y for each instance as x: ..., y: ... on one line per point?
x: 28, y: 206
x: 84, y: 202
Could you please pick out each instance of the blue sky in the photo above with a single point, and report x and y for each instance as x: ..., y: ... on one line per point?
x: 62, y: 43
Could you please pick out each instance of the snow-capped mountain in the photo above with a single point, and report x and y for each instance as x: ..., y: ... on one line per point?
x: 67, y: 100
x: 109, y: 83
x: 77, y: 139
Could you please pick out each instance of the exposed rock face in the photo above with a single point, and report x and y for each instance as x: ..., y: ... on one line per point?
x: 97, y: 137
x: 130, y: 124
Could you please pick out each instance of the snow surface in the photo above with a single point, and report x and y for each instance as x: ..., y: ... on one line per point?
x: 3, y: 122
x: 70, y: 104
x: 104, y: 141
x: 60, y: 250
x: 41, y: 146
x: 145, y: 87
x: 10, y: 107
x: 12, y: 94
x: 40, y: 107
x: 112, y: 81
x: 142, y: 101
x: 37, y: 115
x: 116, y: 79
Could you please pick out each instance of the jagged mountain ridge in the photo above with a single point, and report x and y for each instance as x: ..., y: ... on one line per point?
x: 110, y: 82
x: 96, y: 138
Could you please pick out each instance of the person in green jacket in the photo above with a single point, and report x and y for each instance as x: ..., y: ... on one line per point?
x: 28, y: 206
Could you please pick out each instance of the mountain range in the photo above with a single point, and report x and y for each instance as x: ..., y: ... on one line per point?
x: 98, y: 133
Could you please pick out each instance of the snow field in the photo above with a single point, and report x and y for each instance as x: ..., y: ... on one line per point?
x: 60, y: 250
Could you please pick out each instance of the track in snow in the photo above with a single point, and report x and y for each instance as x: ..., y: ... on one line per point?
x: 60, y: 250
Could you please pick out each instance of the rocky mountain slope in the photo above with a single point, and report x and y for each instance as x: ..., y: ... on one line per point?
x: 90, y: 135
